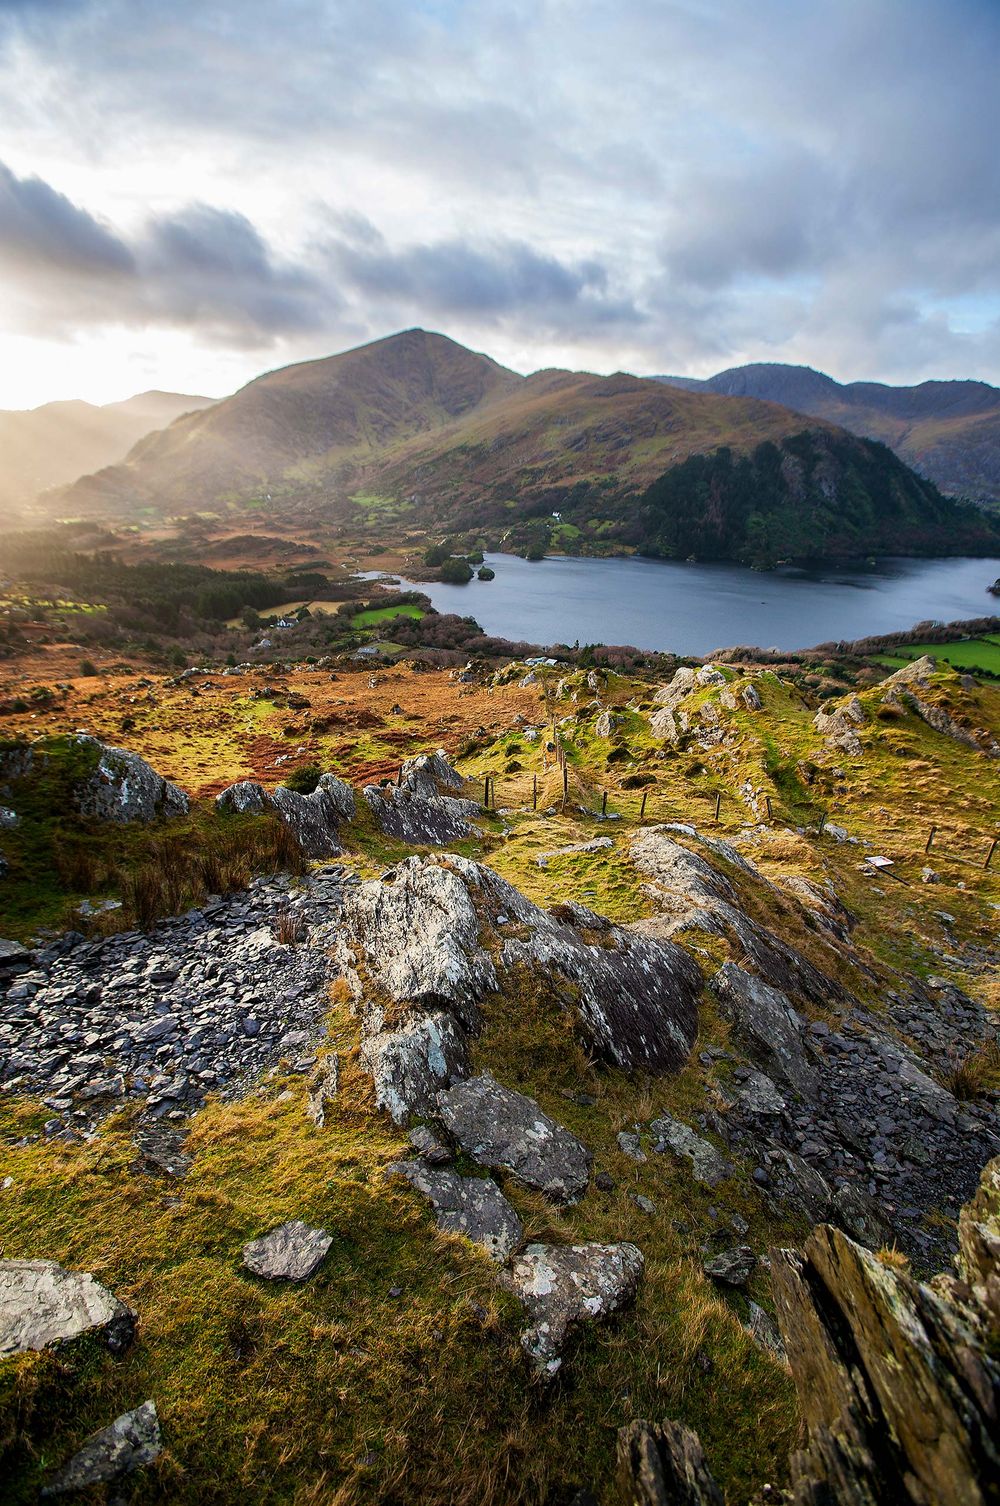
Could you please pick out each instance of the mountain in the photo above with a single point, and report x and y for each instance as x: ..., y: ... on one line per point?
x: 947, y: 431
x: 460, y: 443
x: 49, y: 446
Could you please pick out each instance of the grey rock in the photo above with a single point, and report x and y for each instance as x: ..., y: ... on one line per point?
x: 500, y: 1128
x: 560, y: 1285
x: 472, y: 1206
x: 710, y: 1165
x: 131, y: 1441
x: 41, y: 1303
x: 123, y: 787
x: 430, y: 1145
x: 758, y: 1095
x: 314, y: 819
x: 663, y: 1464
x: 762, y: 1327
x: 732, y: 1267
x: 409, y: 1065
x: 766, y: 1025
x: 631, y: 1145
x: 292, y: 1252
x: 323, y: 1089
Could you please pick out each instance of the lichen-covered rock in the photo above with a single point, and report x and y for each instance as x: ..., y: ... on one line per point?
x: 41, y: 1303
x: 323, y: 1089
x: 766, y: 1025
x: 441, y: 933
x: 710, y: 1165
x: 731, y: 1267
x: 122, y: 787
x: 502, y: 1129
x: 131, y: 1441
x: 411, y: 1062
x: 663, y: 1464
x: 472, y: 1206
x: 292, y: 1252
x: 426, y: 807
x: 313, y: 819
x: 560, y: 1285
x: 899, y: 1394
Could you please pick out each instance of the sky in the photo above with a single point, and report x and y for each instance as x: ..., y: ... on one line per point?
x: 193, y: 193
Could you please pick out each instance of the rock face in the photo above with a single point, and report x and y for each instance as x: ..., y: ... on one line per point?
x: 314, y: 820
x: 41, y: 1303
x: 899, y: 1385
x: 560, y: 1285
x: 434, y: 936
x: 292, y: 1252
x: 122, y: 787
x: 663, y: 1464
x: 132, y: 1441
x: 503, y: 1129
x: 472, y: 1206
x: 425, y: 808
x: 764, y: 1020
x: 898, y: 1382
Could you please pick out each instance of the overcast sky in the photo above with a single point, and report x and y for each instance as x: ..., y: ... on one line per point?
x: 195, y: 192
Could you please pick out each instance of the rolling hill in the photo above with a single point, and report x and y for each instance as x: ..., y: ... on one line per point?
x: 52, y: 445
x: 463, y: 444
x: 947, y: 431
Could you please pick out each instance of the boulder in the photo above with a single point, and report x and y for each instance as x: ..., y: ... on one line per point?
x: 426, y: 807
x: 409, y: 1064
x: 431, y: 934
x: 731, y: 1267
x: 766, y: 1026
x: 663, y: 1464
x: 471, y: 1206
x: 710, y: 1165
x: 502, y: 1129
x: 561, y: 1285
x: 131, y: 1441
x: 292, y: 1252
x: 314, y: 820
x: 122, y: 787
x: 41, y: 1303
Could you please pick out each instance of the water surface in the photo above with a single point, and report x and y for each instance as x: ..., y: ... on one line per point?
x: 696, y: 608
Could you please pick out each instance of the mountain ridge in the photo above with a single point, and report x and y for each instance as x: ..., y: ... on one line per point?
x: 948, y: 431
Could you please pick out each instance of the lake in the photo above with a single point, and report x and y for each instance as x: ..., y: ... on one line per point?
x: 697, y: 608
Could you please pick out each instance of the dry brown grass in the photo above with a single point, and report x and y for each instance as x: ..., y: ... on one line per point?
x: 974, y: 1075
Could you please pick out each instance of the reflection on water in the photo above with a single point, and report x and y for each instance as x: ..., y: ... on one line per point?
x: 695, y: 608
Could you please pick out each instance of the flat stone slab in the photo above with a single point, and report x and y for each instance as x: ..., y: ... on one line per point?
x: 472, y: 1206
x: 292, y: 1252
x: 710, y: 1165
x: 559, y: 1285
x: 41, y: 1303
x: 500, y: 1128
x: 131, y: 1441
x: 732, y: 1267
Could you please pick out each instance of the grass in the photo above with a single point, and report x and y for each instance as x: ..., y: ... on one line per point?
x: 967, y: 654
x: 373, y: 616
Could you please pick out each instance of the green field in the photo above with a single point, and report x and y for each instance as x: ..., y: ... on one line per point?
x: 968, y: 653
x: 372, y: 616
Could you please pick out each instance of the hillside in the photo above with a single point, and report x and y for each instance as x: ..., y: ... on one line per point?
x: 363, y: 1144
x: 947, y: 431
x: 52, y: 445
x: 456, y: 442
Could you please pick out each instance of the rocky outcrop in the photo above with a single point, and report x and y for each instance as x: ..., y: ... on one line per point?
x: 505, y: 1130
x: 314, y: 819
x: 898, y: 1382
x: 839, y: 727
x: 434, y: 936
x: 562, y: 1285
x: 899, y: 1391
x: 411, y: 1062
x: 425, y: 808
x: 708, y: 1164
x: 663, y: 1464
x: 131, y: 1442
x: 471, y: 1206
x: 771, y: 1031
x: 292, y: 1252
x: 122, y: 787
x: 901, y: 689
x: 42, y: 1304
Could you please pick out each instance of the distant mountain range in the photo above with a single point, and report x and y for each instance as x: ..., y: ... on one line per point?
x: 439, y: 437
x: 49, y: 446
x: 947, y: 431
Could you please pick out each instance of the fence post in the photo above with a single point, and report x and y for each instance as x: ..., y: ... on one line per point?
x: 993, y: 848
x: 642, y: 808
x: 604, y: 802
x: 822, y: 823
x: 534, y: 792
x: 930, y: 839
x: 718, y: 804
x: 767, y: 803
x: 486, y: 792
x: 399, y: 777
x: 565, y: 786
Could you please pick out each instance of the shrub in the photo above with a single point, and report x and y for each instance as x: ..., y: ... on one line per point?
x: 304, y: 779
x: 88, y: 668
